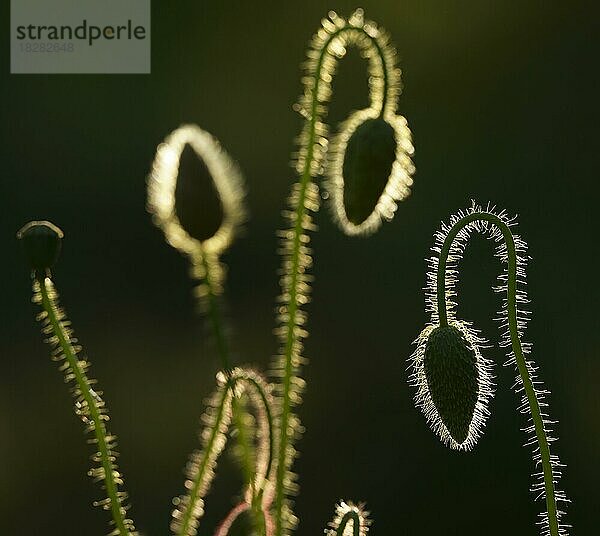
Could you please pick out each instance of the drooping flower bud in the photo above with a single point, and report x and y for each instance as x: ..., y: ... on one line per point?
x: 213, y: 231
x: 197, y: 203
x: 368, y: 161
x: 369, y: 170
x: 453, y: 380
x: 42, y: 243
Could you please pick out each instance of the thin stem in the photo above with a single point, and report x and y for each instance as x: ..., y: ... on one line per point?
x: 214, y: 442
x: 91, y: 399
x: 258, y: 483
x: 534, y: 406
x: 258, y: 511
x: 236, y: 511
x: 216, y: 321
x: 385, y: 76
x: 293, y: 305
x: 294, y: 267
x: 212, y: 307
x: 204, y: 466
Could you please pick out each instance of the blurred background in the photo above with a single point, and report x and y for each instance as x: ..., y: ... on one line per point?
x: 502, y: 101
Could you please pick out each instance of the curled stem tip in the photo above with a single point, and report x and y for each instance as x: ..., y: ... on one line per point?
x: 454, y: 361
x: 349, y: 520
x: 329, y: 44
x: 217, y: 420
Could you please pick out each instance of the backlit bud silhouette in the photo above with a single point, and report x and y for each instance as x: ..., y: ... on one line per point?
x: 42, y: 243
x: 453, y: 380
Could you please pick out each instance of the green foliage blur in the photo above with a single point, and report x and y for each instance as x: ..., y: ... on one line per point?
x: 502, y: 101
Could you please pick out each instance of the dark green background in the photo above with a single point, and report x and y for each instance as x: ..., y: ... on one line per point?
x: 502, y: 98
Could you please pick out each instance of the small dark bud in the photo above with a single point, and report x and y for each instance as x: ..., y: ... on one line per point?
x: 452, y: 378
x: 368, y: 160
x: 197, y: 202
x: 41, y: 242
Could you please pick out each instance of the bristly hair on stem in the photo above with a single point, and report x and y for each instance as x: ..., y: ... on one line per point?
x: 200, y: 472
x: 206, y: 268
x: 450, y: 243
x: 360, y: 202
x: 327, y: 47
x: 42, y: 244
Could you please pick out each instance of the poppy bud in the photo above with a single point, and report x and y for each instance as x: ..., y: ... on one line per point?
x: 197, y: 203
x: 41, y: 242
x: 369, y: 170
x: 180, y: 196
x: 453, y: 380
x: 368, y: 161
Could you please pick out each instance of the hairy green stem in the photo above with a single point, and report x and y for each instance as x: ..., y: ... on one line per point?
x: 217, y: 325
x: 212, y: 308
x: 204, y: 466
x: 258, y: 516
x: 269, y: 418
x: 306, y: 178
x: 203, y: 476
x: 534, y: 406
x: 385, y: 76
x: 293, y: 305
x: 91, y: 397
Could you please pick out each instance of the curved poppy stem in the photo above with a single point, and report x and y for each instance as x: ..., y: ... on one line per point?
x: 511, y: 294
x: 304, y: 199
